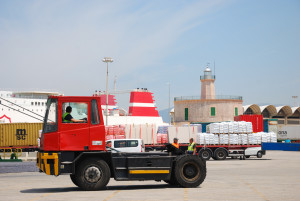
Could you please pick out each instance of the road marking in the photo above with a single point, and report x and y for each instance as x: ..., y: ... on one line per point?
x: 112, y: 195
x: 186, y: 194
x: 260, y: 194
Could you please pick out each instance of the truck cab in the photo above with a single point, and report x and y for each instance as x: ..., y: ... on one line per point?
x: 79, y: 149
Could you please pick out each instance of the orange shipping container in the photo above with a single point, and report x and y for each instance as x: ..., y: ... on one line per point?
x: 19, y: 134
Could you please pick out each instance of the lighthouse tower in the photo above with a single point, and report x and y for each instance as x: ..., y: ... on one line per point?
x: 207, y: 84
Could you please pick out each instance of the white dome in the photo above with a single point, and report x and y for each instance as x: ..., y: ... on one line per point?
x: 207, y: 69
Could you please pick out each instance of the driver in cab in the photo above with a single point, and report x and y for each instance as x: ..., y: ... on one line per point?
x: 67, y: 117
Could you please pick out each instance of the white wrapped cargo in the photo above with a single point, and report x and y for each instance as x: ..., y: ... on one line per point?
x: 233, y: 139
x: 235, y: 127
x: 223, y: 138
x: 200, y: 138
x: 273, y: 137
x: 249, y: 127
x: 230, y: 127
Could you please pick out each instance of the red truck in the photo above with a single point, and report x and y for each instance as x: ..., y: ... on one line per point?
x: 78, y: 149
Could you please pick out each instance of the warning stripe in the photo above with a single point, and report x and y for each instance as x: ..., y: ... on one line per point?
x: 149, y: 171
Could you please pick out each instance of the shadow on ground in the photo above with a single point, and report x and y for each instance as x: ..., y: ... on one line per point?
x: 108, y: 188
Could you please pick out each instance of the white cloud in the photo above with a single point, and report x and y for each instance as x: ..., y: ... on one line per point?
x: 58, y: 45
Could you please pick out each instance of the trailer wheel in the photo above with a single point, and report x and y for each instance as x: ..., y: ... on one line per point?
x: 259, y: 154
x: 205, y: 154
x: 220, y: 154
x: 190, y: 171
x: 92, y: 174
x: 73, y: 178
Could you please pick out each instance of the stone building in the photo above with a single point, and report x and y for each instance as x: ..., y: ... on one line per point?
x: 208, y: 107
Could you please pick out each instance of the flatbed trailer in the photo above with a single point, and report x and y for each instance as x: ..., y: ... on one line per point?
x: 217, y: 152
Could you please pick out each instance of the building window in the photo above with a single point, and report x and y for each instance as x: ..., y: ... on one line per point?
x: 212, y: 111
x: 236, y: 111
x: 186, y: 114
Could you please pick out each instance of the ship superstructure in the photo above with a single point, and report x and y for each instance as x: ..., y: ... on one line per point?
x: 15, y: 105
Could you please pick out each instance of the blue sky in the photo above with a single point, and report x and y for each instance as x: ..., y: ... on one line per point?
x: 58, y: 46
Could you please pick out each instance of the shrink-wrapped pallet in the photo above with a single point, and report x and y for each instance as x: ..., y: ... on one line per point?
x: 198, y: 127
x: 200, y: 138
x: 223, y: 138
x: 235, y: 127
x: 273, y: 137
x: 225, y: 127
x: 249, y: 128
x: 251, y: 138
x: 216, y: 139
x: 233, y: 139
x: 230, y: 127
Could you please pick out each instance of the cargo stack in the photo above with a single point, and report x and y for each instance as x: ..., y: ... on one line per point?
x: 162, y: 134
x: 115, y: 132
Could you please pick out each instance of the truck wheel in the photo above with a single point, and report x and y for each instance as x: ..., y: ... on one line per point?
x: 73, y: 178
x: 205, y: 154
x: 247, y: 156
x: 220, y: 154
x: 172, y: 181
x: 190, y: 171
x: 92, y: 174
x: 259, y: 154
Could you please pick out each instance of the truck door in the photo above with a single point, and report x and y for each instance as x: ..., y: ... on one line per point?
x: 97, y: 129
x: 75, y: 136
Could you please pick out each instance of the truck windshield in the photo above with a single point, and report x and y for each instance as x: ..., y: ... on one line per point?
x: 50, y: 121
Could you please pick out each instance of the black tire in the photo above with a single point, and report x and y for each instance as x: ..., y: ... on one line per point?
x: 172, y: 181
x: 190, y: 171
x: 92, y: 174
x: 73, y: 178
x: 205, y: 154
x: 247, y: 156
x: 259, y: 154
x: 220, y: 154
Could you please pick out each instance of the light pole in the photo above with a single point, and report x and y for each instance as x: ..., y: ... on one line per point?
x: 107, y: 60
x: 169, y: 105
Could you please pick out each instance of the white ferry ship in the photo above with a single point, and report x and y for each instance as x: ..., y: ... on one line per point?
x: 15, y: 105
x: 141, y: 110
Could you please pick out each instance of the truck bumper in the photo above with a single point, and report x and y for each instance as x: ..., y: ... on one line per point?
x: 48, y: 163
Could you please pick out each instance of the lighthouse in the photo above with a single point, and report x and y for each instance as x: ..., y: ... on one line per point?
x: 207, y: 84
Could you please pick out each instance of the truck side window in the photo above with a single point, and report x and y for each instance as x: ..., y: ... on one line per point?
x: 95, y: 118
x: 78, y: 111
x: 50, y: 121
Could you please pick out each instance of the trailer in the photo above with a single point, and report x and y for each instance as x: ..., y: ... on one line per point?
x: 216, y: 152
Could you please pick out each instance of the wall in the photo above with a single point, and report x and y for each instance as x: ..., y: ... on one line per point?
x: 200, y: 110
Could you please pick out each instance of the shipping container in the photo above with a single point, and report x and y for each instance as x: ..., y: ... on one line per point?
x: 257, y: 121
x: 270, y: 125
x: 19, y: 135
x: 291, y: 132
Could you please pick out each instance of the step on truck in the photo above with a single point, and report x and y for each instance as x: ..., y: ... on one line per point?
x: 78, y: 149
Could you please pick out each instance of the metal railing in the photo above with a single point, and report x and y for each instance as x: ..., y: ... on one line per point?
x: 218, y: 97
x: 207, y: 77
